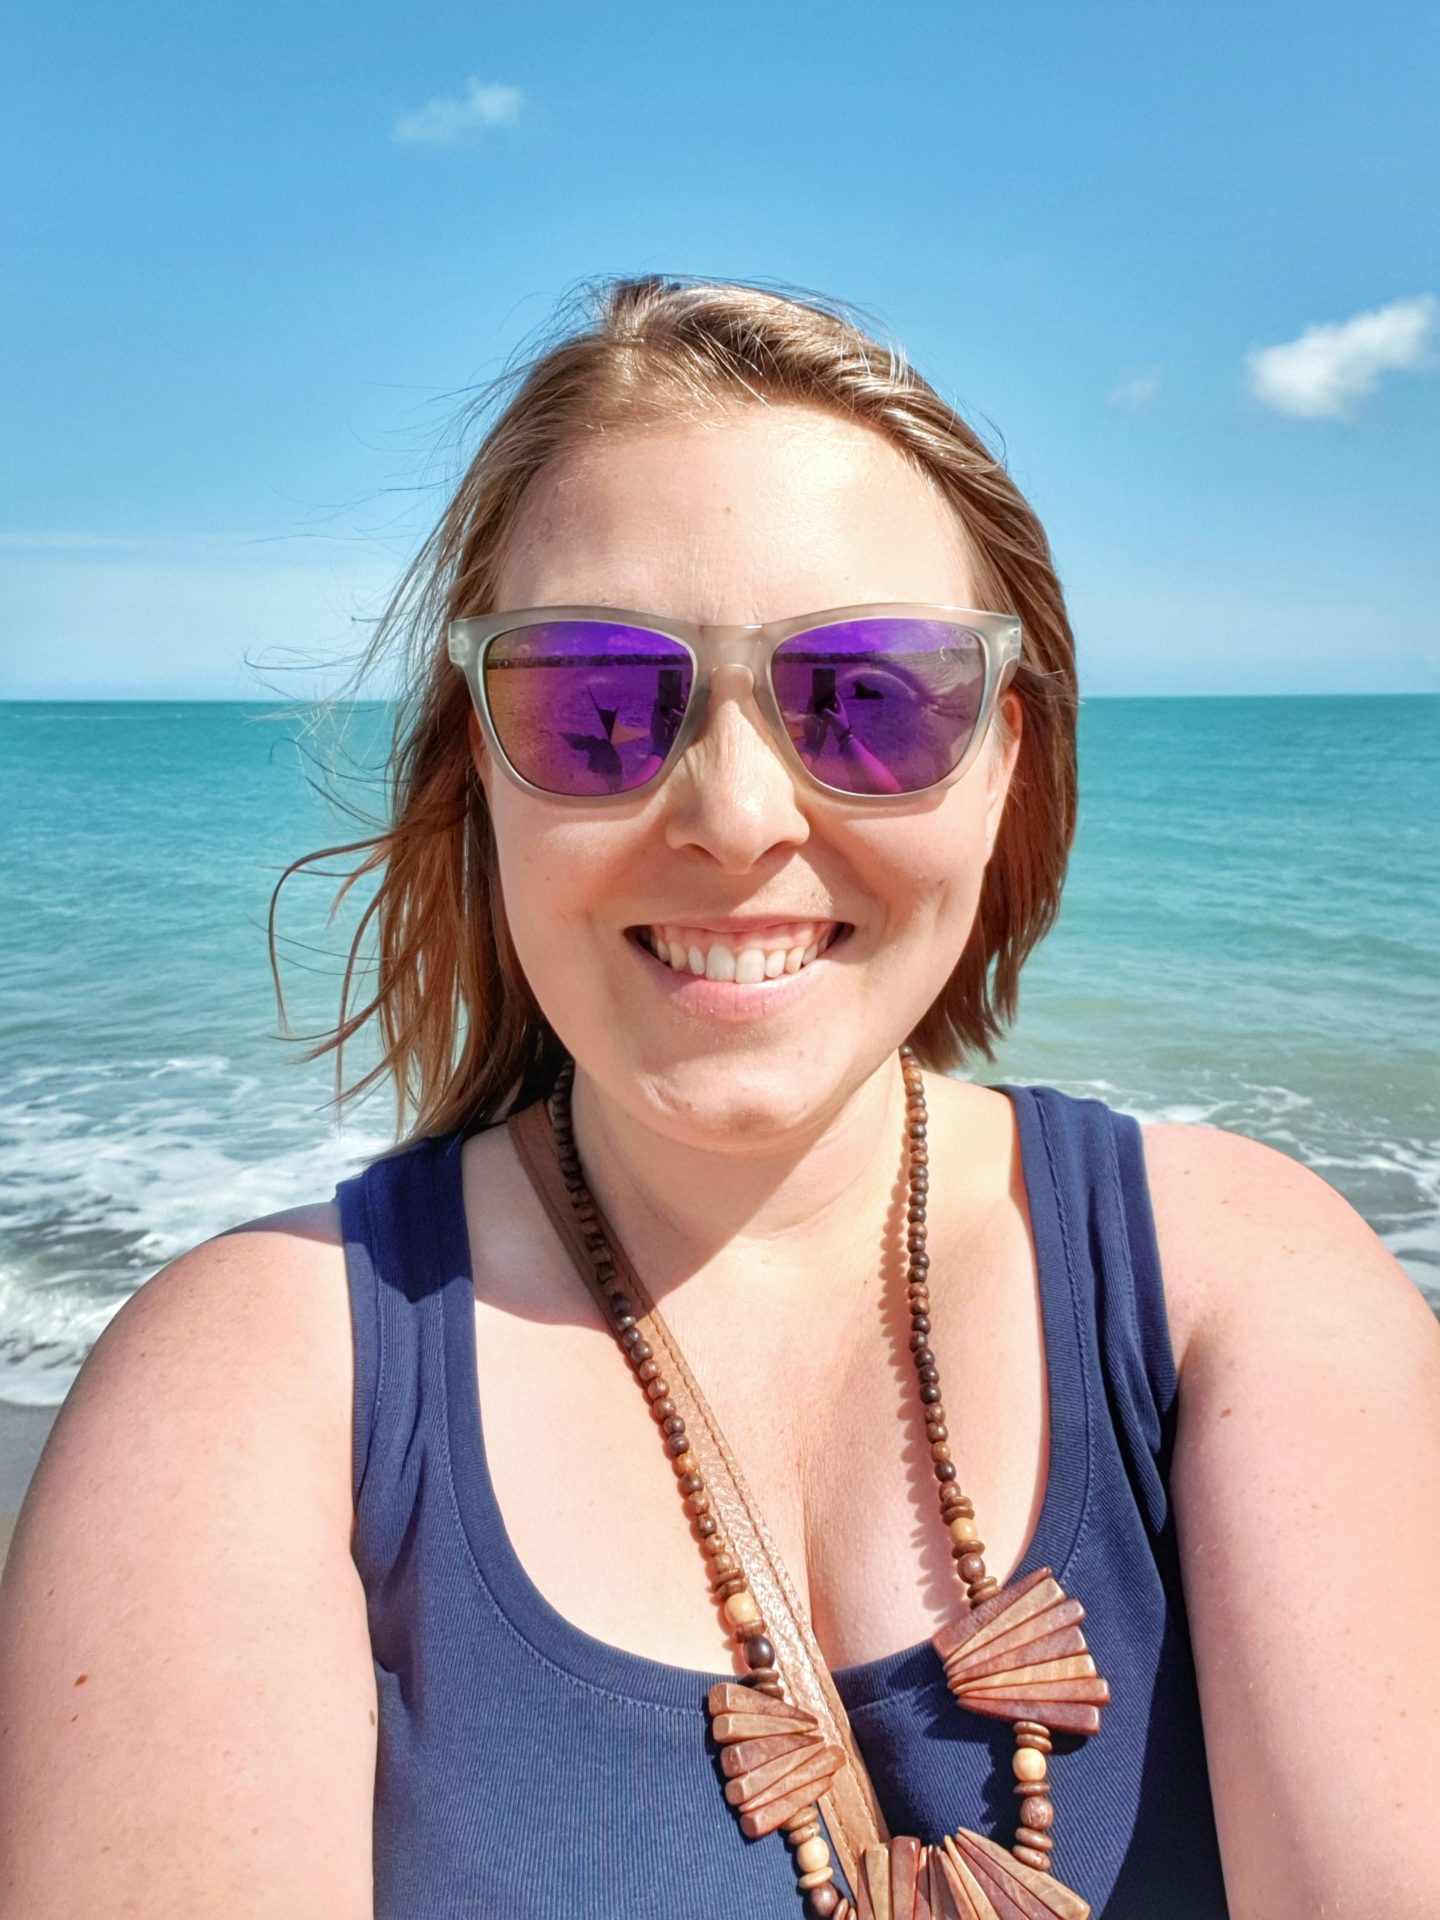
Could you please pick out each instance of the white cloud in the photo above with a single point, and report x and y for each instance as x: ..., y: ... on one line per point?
x: 1323, y: 374
x: 455, y: 122
x: 1138, y: 392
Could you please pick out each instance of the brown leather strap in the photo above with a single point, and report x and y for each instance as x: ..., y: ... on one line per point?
x: 852, y: 1812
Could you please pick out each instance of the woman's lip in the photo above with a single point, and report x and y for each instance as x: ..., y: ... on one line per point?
x: 727, y: 1000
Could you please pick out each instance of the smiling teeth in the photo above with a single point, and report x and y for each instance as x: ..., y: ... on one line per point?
x: 783, y: 950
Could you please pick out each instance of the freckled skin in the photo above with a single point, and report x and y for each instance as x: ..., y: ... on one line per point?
x: 755, y: 514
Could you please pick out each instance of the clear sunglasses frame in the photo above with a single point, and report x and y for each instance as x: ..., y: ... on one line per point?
x: 752, y: 647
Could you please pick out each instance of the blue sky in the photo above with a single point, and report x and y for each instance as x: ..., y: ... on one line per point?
x: 1182, y: 261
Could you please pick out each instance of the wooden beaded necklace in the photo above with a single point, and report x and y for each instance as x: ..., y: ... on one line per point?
x: 1015, y: 1653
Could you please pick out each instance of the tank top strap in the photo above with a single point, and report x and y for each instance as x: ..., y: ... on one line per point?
x: 1095, y: 1159
x: 399, y: 1258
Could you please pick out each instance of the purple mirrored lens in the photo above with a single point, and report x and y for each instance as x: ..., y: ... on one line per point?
x: 586, y: 706
x: 881, y: 705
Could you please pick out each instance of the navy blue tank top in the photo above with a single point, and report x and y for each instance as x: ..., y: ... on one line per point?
x: 527, y: 1771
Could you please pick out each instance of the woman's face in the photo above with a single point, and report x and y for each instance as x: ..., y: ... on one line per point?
x: 757, y: 513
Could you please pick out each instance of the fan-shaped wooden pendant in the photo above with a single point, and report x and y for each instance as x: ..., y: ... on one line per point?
x: 984, y: 1882
x: 1020, y: 1655
x: 776, y: 1760
x: 895, y: 1882
x: 965, y: 1877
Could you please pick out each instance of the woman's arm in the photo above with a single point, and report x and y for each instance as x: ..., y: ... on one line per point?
x: 1307, y: 1494
x: 187, y: 1722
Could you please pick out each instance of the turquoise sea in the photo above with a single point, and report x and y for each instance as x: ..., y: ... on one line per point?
x: 1251, y: 937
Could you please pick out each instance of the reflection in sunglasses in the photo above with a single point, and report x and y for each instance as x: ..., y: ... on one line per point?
x: 870, y: 720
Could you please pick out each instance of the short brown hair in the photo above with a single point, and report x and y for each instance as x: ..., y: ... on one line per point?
x: 461, y: 1034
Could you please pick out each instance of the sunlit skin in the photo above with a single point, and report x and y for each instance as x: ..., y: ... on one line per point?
x: 755, y: 513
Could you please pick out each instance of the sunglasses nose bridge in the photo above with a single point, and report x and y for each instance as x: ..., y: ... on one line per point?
x: 730, y: 664
x: 728, y: 647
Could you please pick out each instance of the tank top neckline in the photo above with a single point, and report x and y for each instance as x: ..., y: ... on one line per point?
x: 616, y: 1671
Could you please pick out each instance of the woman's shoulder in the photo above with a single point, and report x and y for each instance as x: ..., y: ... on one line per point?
x: 190, y: 1522
x: 1251, y: 1240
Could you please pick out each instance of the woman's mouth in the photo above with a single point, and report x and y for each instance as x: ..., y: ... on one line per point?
x: 746, y: 958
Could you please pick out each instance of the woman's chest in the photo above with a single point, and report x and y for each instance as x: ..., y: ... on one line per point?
x: 832, y: 1444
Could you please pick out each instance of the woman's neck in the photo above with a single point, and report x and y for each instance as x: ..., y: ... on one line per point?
x: 751, y: 1224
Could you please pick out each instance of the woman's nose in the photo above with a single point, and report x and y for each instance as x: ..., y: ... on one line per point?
x: 732, y: 795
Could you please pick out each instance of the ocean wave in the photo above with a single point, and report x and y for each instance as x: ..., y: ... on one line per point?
x: 109, y: 1172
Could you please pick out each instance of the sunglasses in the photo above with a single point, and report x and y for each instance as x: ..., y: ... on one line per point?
x: 880, y: 702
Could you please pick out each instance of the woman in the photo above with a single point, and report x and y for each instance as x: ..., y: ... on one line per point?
x: 286, y: 1633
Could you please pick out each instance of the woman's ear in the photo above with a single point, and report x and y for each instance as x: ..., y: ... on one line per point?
x: 1004, y: 752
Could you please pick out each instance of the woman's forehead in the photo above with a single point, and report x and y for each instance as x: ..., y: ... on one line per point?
x: 771, y: 510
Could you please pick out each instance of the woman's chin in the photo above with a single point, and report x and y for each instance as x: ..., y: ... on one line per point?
x: 736, y: 1099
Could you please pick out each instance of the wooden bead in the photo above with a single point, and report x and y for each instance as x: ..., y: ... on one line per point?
x: 963, y: 1530
x: 972, y: 1567
x: 1028, y: 1764
x: 945, y: 1469
x: 1039, y: 1816
x: 939, y: 1450
x: 823, y: 1902
x: 658, y: 1388
x: 811, y: 1855
x: 648, y: 1370
x: 642, y: 1353
x: 663, y: 1407
x: 692, y: 1483
x: 802, y: 1827
x: 672, y: 1423
x: 741, y: 1609
x: 759, y: 1653
x: 723, y: 1565
x: 821, y: 1877
x: 705, y: 1525
x: 1028, y: 1857
x: 685, y: 1463
x: 698, y: 1502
